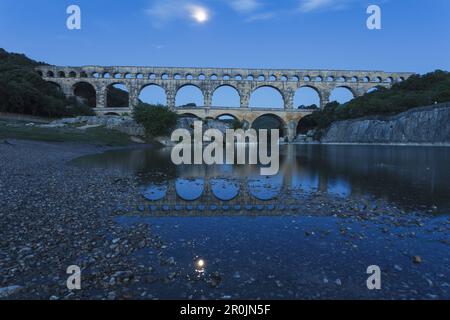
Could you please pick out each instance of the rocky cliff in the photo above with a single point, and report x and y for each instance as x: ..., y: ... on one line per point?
x: 420, y: 125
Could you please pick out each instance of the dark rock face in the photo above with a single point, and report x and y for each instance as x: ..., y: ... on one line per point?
x: 421, y: 125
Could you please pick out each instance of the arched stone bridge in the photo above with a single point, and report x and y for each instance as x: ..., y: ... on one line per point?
x: 208, y: 80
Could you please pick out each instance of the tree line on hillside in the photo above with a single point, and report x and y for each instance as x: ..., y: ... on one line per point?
x: 416, y: 91
x: 23, y: 91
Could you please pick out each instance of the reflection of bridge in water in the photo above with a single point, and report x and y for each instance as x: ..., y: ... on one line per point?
x: 231, y: 190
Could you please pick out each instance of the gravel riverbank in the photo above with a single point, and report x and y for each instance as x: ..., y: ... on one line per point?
x: 53, y: 215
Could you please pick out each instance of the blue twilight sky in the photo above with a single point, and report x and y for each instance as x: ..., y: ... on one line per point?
x: 330, y: 34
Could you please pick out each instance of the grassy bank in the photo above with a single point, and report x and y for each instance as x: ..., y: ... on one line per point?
x: 97, y: 136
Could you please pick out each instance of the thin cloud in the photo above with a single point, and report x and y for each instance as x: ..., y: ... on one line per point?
x: 315, y: 5
x: 164, y: 11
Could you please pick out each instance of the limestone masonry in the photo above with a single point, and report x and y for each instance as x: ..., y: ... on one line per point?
x: 245, y: 81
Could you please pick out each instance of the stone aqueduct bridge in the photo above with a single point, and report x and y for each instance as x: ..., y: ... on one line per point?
x: 245, y: 81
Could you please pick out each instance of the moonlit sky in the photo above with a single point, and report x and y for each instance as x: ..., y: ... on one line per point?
x: 323, y: 34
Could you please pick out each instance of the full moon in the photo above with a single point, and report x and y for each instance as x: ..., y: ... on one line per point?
x: 199, y: 14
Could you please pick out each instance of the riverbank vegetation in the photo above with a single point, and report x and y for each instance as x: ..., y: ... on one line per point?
x: 29, y: 131
x: 156, y: 119
x: 418, y: 90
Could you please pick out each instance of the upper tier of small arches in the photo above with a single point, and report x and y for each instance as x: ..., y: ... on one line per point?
x: 248, y: 75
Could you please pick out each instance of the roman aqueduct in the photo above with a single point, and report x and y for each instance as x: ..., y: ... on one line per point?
x: 244, y: 81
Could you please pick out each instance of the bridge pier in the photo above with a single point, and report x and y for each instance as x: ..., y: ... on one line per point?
x: 100, y: 94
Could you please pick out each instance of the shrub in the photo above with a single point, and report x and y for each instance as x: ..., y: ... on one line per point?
x: 156, y: 119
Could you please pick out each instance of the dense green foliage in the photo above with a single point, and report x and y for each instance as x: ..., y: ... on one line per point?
x: 23, y: 91
x: 156, y: 119
x: 418, y: 90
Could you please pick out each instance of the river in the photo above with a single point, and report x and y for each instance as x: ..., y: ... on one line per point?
x: 311, y: 231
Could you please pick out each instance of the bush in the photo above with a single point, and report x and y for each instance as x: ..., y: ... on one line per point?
x: 156, y: 119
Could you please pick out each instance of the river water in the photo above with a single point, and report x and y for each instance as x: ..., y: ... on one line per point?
x: 309, y: 232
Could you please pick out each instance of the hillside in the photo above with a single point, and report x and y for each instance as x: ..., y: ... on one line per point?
x: 23, y: 91
x: 417, y: 91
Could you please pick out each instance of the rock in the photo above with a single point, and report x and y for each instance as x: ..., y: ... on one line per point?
x: 414, y: 126
x: 417, y: 259
x: 123, y: 124
x: 137, y: 140
x: 89, y: 126
x: 8, y: 291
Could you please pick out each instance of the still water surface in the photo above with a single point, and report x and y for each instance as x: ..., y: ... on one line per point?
x: 262, y: 244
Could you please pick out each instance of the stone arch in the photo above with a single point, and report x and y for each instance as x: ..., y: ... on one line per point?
x: 342, y: 94
x: 377, y: 80
x: 106, y: 75
x: 226, y: 93
x: 85, y: 91
x: 153, y: 94
x: 117, y: 95
x: 61, y: 74
x: 184, y: 98
x: 56, y: 85
x: 262, y: 92
x: 227, y: 115
x: 271, y: 121
x: 50, y: 74
x: 307, y: 96
x: 373, y: 89
x: 112, y: 114
x: 224, y: 189
x: 227, y: 118
x: 188, y: 115
x: 72, y: 74
x: 83, y: 74
x: 190, y: 189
